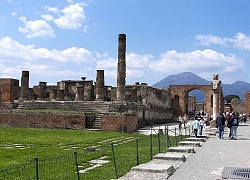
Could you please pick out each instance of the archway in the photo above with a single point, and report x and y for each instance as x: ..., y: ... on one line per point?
x: 179, y: 98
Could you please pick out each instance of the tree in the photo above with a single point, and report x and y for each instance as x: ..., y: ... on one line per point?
x: 231, y: 97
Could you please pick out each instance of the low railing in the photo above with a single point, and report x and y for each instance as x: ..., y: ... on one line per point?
x: 110, y: 162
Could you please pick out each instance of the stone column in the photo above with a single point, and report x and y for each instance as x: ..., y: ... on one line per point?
x: 99, y: 87
x: 216, y: 82
x: 121, y: 68
x: 79, y: 92
x: 25, y: 85
x: 42, y: 91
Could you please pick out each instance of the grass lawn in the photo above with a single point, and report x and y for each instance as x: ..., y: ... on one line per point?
x: 18, y: 145
x: 55, y: 148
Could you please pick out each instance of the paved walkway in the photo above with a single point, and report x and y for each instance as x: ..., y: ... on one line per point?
x: 210, y: 160
x: 215, y: 154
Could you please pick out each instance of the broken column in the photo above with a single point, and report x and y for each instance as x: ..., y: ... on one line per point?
x: 79, y: 92
x: 42, y: 91
x: 216, y: 82
x: 99, y: 88
x: 121, y: 67
x: 25, y: 85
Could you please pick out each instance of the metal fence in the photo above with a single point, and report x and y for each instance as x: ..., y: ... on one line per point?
x: 110, y: 162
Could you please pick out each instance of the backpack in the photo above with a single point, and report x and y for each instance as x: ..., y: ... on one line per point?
x: 235, y: 121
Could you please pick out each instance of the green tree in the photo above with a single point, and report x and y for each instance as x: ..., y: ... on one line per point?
x: 231, y: 97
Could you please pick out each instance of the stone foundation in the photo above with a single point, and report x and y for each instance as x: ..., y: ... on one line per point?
x: 119, y: 123
x: 42, y: 120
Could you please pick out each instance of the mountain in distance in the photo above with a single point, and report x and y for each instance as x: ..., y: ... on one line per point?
x: 237, y: 88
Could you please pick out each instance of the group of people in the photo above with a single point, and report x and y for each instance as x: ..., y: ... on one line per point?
x: 231, y: 121
x: 198, y: 125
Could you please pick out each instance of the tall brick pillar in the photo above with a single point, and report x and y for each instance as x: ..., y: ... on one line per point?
x: 99, y: 88
x: 25, y: 85
x: 42, y: 91
x: 121, y: 67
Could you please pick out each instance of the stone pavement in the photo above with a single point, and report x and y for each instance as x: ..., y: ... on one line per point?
x: 215, y: 159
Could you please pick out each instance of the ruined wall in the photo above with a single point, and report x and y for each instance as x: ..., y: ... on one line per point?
x: 119, y: 123
x: 238, y: 106
x: 43, y: 120
x: 9, y: 89
x: 247, y: 102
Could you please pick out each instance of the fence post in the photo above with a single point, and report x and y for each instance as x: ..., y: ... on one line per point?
x: 37, y: 173
x: 176, y: 142
x: 77, y: 169
x: 113, y: 153
x: 159, y: 143
x: 137, y: 152
x: 151, y: 146
x: 167, y: 139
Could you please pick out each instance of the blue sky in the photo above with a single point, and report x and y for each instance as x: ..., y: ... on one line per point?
x: 66, y: 39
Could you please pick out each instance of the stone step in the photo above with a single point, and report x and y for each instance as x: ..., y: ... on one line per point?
x: 149, y: 172
x: 201, y: 136
x: 190, y: 143
x: 154, y: 168
x: 196, y: 139
x: 181, y: 149
x: 209, y: 133
x: 170, y: 156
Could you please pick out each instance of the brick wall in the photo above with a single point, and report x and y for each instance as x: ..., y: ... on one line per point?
x: 10, y: 90
x: 247, y: 102
x: 43, y: 120
x: 119, y: 123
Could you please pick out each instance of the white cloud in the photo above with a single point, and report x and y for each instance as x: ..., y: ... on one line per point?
x: 72, y: 18
x: 203, y: 63
x: 47, y: 17
x: 69, y: 63
x: 52, y: 9
x: 240, y: 40
x: 210, y: 39
x: 138, y: 61
x: 37, y: 28
x: 85, y: 29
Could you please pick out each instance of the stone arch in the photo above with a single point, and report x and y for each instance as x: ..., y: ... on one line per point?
x: 179, y: 98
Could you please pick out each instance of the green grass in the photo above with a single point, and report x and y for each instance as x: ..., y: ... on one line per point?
x: 17, y: 145
x: 55, y: 149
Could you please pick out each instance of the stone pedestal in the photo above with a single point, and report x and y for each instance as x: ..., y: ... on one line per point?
x: 24, y: 85
x: 42, y: 91
x: 99, y: 88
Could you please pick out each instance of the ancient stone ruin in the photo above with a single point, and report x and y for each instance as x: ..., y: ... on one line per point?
x: 121, y: 108
x: 140, y: 103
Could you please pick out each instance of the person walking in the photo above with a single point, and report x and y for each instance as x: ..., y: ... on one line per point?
x: 234, y: 125
x: 228, y: 118
x: 202, y: 123
x: 185, y: 120
x: 180, y: 121
x: 195, y: 127
x: 220, y: 122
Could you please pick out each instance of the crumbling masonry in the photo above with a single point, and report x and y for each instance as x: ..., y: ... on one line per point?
x: 136, y: 105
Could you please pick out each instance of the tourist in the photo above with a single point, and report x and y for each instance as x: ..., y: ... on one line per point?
x: 244, y: 117
x: 185, y: 120
x: 220, y: 123
x: 195, y: 127
x: 202, y: 123
x: 228, y: 117
x: 234, y: 125
x: 180, y: 121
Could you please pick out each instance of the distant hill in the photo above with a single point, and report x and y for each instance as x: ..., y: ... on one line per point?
x: 237, y: 88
